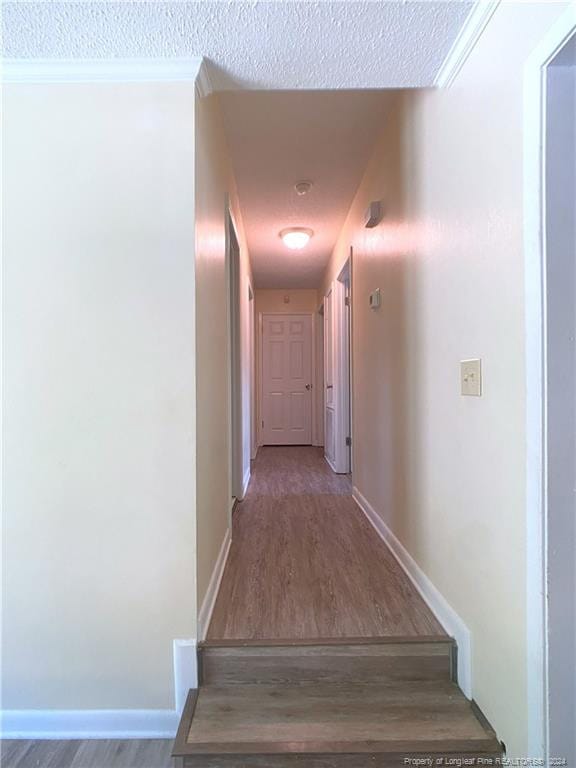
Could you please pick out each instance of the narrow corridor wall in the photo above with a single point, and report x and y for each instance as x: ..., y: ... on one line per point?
x: 446, y: 473
x: 298, y: 300
x: 215, y: 192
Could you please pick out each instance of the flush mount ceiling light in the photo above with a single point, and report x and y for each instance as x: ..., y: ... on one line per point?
x: 296, y: 237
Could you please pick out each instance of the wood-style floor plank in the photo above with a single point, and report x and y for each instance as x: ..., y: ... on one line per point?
x: 23, y: 753
x: 91, y: 753
x: 306, y: 563
x: 133, y: 753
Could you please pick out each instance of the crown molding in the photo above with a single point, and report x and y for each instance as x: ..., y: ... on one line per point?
x: 464, y: 44
x: 204, y: 85
x: 105, y: 71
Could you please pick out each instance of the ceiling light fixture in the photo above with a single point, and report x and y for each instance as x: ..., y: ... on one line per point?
x: 296, y: 237
x: 303, y: 187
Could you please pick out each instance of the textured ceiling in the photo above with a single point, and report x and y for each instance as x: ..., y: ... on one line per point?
x: 256, y: 45
x: 278, y: 139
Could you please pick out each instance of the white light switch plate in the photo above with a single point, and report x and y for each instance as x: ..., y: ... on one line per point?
x: 471, y: 377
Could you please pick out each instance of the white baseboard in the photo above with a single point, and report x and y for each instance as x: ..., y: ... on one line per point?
x: 185, y: 671
x: 205, y: 613
x: 439, y: 606
x: 330, y: 464
x: 89, y: 724
x: 245, y: 482
x: 109, y: 723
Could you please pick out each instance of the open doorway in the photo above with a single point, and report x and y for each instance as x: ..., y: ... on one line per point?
x: 551, y: 386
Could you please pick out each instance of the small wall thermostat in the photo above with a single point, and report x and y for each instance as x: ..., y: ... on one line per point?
x: 374, y: 299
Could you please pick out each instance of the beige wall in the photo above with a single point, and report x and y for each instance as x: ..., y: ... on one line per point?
x: 99, y: 407
x: 212, y: 382
x: 445, y: 472
x: 214, y: 190
x: 300, y: 300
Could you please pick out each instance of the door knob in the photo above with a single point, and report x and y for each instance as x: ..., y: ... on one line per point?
x: 308, y: 386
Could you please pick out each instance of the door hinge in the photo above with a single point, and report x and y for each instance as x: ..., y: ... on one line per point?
x: 262, y: 423
x: 348, y: 441
x: 347, y: 301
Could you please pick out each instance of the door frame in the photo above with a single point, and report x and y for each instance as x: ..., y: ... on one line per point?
x: 535, y: 260
x: 260, y: 371
x: 318, y: 373
x: 234, y: 355
x: 341, y: 340
x: 328, y: 352
x: 253, y: 375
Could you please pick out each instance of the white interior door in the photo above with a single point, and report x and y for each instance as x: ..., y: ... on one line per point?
x: 287, y: 379
x: 337, y: 376
x: 342, y: 371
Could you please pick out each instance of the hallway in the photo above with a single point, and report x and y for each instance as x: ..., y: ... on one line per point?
x: 306, y: 564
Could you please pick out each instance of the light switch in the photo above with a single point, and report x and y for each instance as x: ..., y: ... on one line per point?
x: 471, y: 377
x: 374, y: 299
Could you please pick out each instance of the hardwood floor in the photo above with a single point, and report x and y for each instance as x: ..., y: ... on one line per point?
x: 93, y: 753
x: 305, y: 563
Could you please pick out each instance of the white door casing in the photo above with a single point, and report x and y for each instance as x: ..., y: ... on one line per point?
x: 342, y: 340
x: 235, y: 360
x: 287, y: 379
x: 560, y: 253
x: 542, y: 509
x: 329, y: 402
x: 318, y: 397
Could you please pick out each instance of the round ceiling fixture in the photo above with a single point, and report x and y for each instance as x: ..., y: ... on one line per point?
x: 296, y: 237
x: 303, y: 187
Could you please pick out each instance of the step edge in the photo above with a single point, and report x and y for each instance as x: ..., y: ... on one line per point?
x: 328, y: 641
x: 444, y: 685
x: 486, y: 745
x: 185, y: 724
